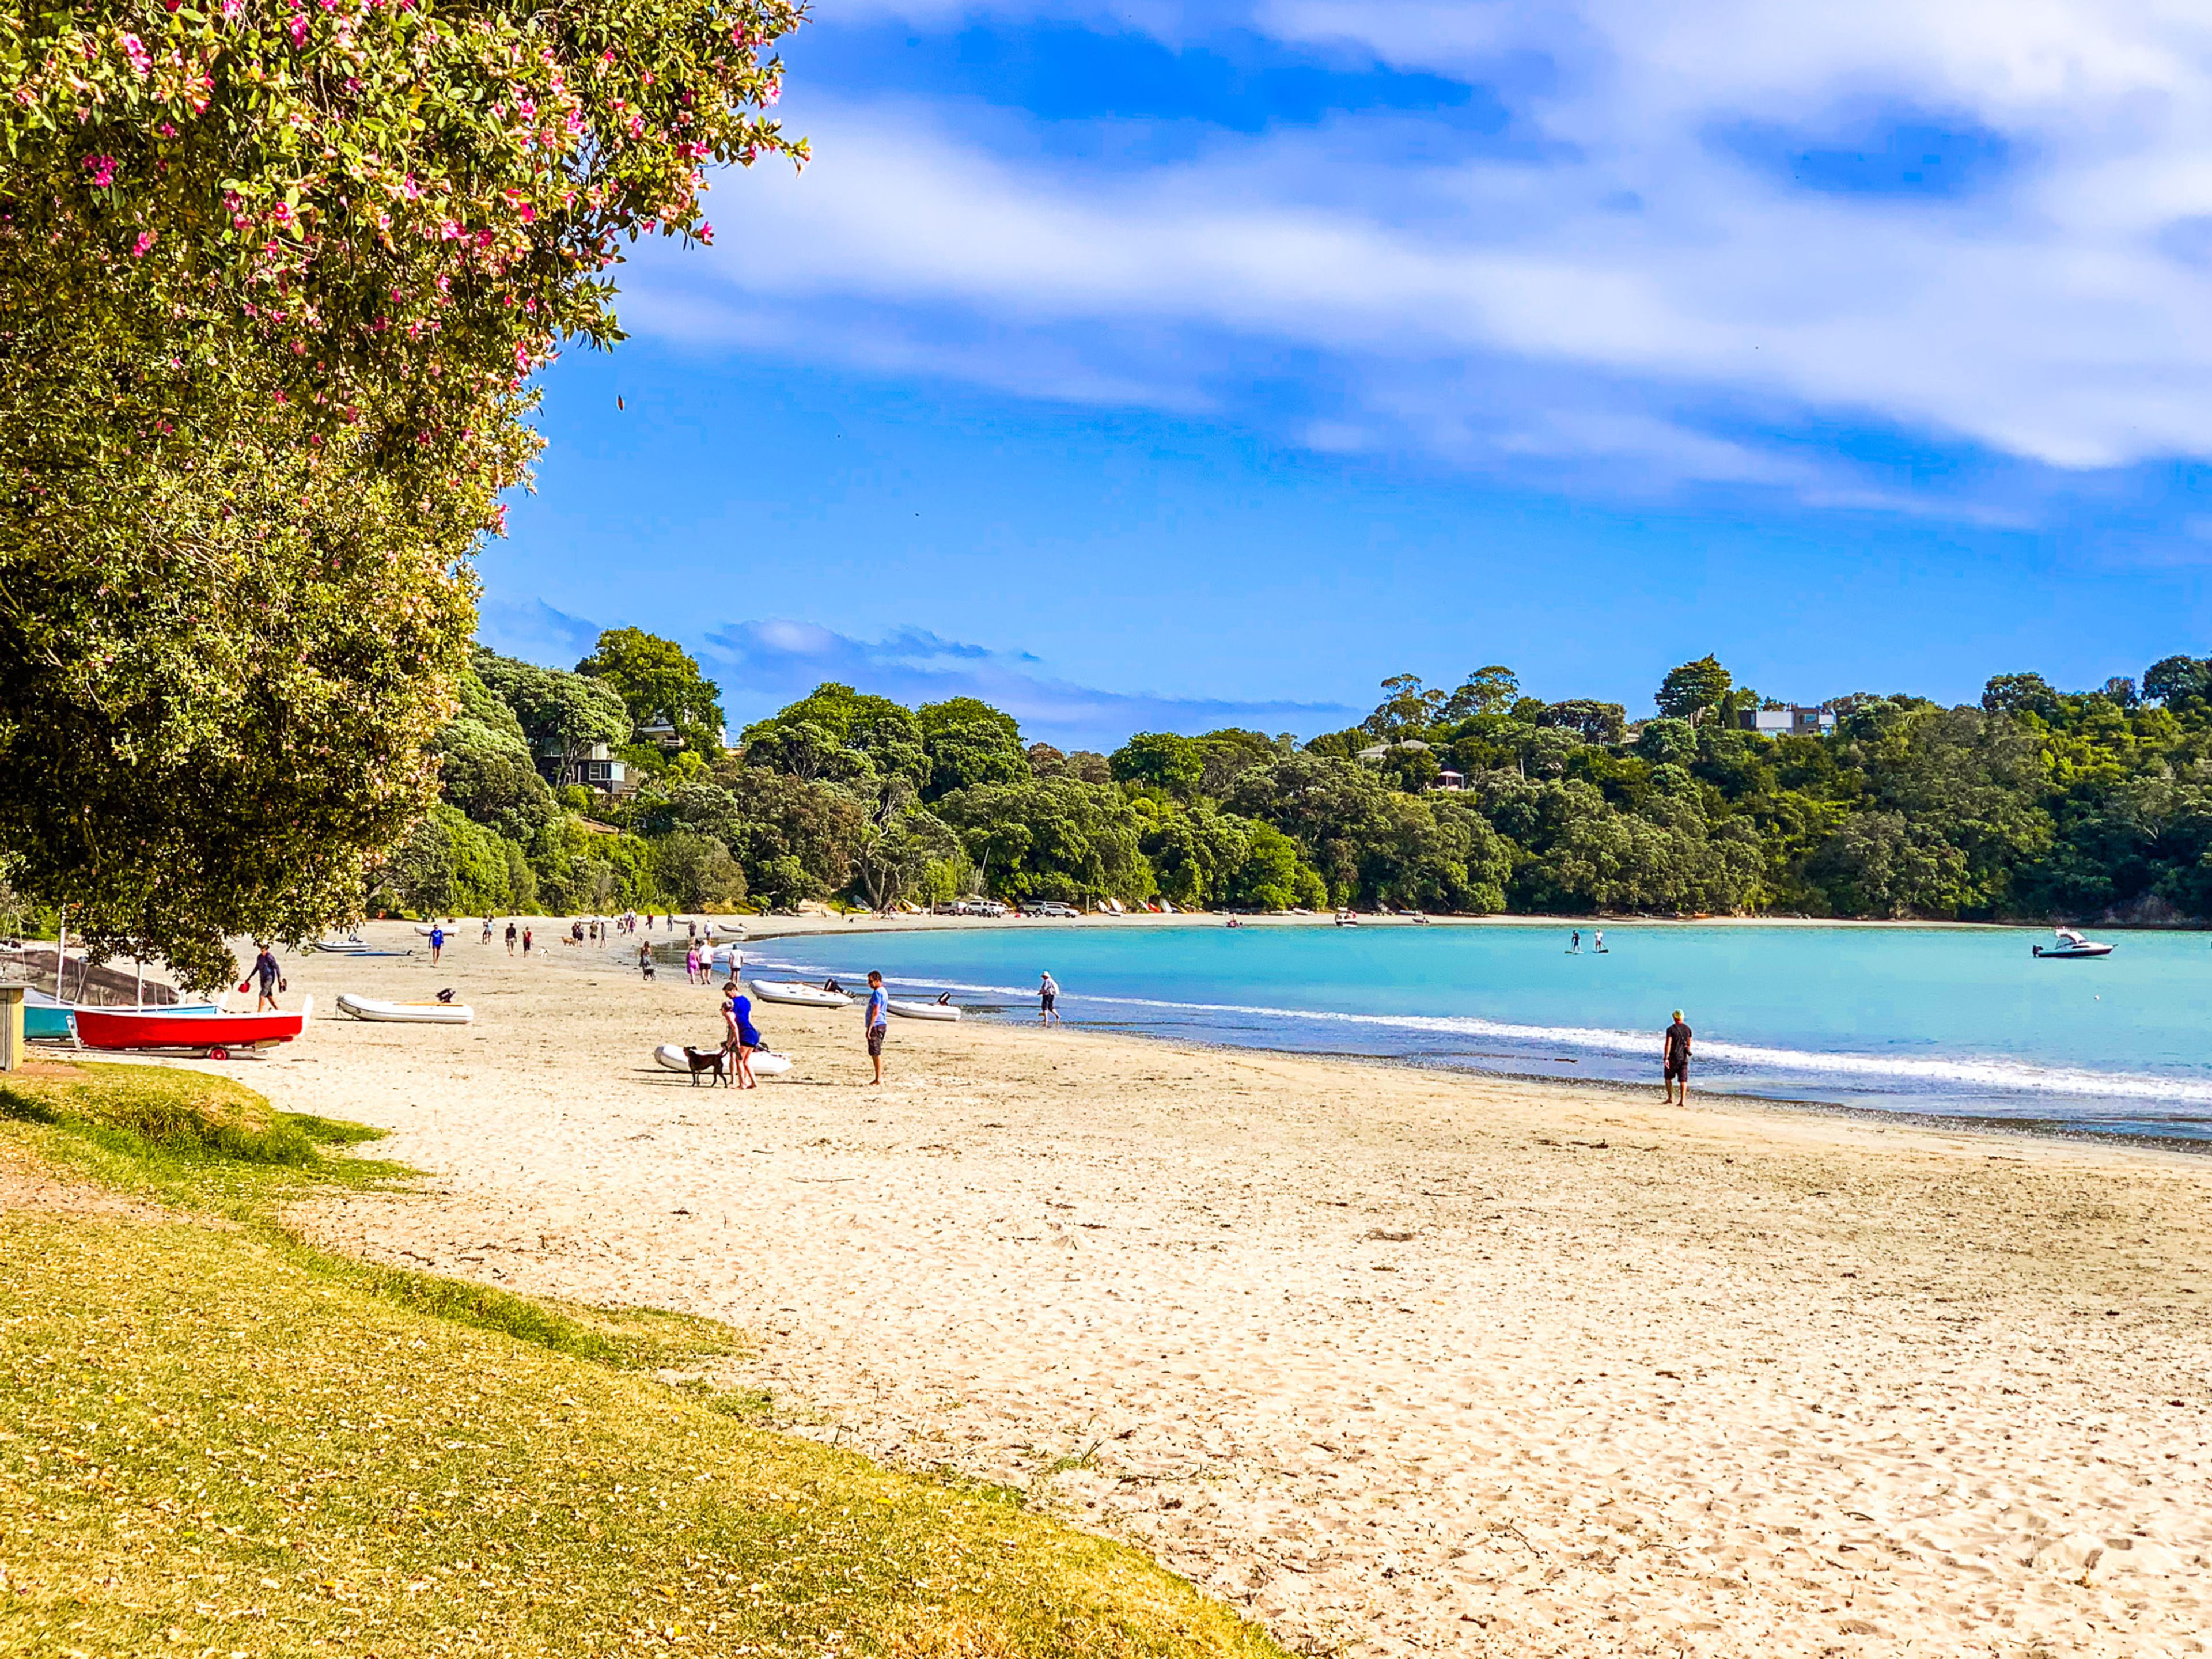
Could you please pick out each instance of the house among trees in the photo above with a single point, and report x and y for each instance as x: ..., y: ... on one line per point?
x: 596, y: 768
x: 1790, y: 719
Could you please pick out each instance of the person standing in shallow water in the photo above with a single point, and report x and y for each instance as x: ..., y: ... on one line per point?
x: 1675, y: 1061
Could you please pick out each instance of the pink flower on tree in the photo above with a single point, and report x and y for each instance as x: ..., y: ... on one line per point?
x: 142, y: 61
x: 102, y: 169
x: 297, y: 28
x: 145, y: 240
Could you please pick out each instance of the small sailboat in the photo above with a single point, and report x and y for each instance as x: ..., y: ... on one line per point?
x: 2071, y: 947
x: 215, y: 1034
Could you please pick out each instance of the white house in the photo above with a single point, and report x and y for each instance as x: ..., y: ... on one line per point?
x: 1796, y: 720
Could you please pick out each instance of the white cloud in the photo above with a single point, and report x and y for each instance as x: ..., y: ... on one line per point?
x: 1640, y: 294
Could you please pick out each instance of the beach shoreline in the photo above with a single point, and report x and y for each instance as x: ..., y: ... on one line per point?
x: 1400, y: 1361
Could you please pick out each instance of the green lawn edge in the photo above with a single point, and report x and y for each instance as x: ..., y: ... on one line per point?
x: 214, y: 1439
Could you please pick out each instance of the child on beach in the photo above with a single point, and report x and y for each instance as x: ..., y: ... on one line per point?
x: 879, y: 1020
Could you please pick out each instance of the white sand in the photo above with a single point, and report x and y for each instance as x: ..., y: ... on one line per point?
x: 1403, y: 1363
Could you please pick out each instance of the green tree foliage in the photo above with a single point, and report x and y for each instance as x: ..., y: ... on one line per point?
x: 1160, y: 760
x: 271, y: 285
x: 967, y: 752
x: 1490, y: 690
x: 660, y: 682
x: 1408, y: 709
x: 562, y: 717
x: 2050, y: 803
x: 1055, y: 838
x: 1694, y: 690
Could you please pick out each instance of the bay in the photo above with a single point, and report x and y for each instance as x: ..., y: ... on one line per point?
x: 1959, y: 1022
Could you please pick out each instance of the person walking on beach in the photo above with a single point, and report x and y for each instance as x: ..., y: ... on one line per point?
x: 510, y: 938
x: 266, y: 971
x: 525, y: 941
x: 692, y: 976
x: 1675, y: 1061
x: 437, y: 943
x: 644, y: 959
x: 1047, y: 999
x: 487, y: 932
x: 879, y: 1021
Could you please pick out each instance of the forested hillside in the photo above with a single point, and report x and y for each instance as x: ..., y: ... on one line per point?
x: 2037, y: 804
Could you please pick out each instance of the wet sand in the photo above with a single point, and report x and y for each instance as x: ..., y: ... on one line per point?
x: 1402, y: 1362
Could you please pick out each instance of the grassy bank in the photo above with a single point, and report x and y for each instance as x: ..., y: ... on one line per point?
x: 213, y: 1441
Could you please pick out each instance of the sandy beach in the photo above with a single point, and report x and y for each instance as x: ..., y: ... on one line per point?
x: 1402, y: 1362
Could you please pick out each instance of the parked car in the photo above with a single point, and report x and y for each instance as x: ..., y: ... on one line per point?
x: 1055, y: 908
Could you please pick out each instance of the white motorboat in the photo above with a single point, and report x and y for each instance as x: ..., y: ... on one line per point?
x: 942, y: 1009
x: 797, y: 995
x: 765, y: 1063
x: 406, y: 1013
x: 2071, y: 947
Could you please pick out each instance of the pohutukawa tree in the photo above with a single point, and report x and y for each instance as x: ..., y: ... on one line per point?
x: 274, y: 275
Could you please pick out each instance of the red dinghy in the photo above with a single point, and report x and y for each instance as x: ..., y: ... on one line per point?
x: 211, y: 1033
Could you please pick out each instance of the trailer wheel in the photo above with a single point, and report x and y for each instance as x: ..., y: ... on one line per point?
x: 218, y: 1053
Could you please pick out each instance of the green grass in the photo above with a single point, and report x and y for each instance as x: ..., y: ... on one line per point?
x: 215, y: 1441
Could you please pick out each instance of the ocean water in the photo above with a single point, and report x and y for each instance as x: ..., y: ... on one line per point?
x: 1953, y: 1022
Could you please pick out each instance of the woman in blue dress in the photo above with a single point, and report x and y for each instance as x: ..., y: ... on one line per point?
x: 740, y: 1039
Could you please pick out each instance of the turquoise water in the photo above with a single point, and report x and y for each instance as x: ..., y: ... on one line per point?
x: 1959, y: 1022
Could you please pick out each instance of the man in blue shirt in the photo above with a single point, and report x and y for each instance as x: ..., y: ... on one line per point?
x: 437, y: 943
x: 880, y: 1010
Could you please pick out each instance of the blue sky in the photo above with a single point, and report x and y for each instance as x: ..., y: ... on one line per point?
x: 1152, y: 365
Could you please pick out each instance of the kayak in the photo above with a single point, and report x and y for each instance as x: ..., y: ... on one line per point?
x: 406, y: 1013
x: 213, y: 1032
x: 939, y: 1011
x: 765, y: 1063
x: 797, y: 995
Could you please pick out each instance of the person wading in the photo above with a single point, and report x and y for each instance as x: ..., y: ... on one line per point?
x: 1675, y: 1061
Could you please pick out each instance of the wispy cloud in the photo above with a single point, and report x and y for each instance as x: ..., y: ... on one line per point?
x: 1735, y: 224
x: 763, y: 664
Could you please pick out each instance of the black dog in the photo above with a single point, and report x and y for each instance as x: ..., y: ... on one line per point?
x: 705, y: 1060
